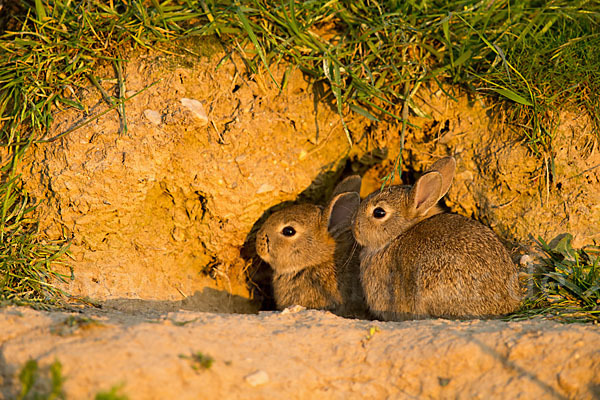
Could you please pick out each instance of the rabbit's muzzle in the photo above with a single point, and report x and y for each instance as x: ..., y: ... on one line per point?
x: 356, y: 231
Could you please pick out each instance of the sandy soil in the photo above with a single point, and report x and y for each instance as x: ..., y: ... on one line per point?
x: 300, y: 355
x: 162, y: 221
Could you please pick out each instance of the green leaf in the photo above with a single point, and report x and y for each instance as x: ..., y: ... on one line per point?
x: 509, y: 94
x: 254, y: 39
x: 57, y: 380
x: 363, y: 112
x: 463, y: 57
x: 39, y: 10
x: 564, y: 247
x: 71, y: 103
x: 446, y: 31
x: 27, y: 377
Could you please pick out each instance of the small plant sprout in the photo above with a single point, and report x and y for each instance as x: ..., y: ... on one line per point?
x: 199, y: 361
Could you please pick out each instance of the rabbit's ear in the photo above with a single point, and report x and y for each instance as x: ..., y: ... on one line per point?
x: 446, y: 167
x: 350, y: 184
x: 426, y: 192
x: 338, y: 214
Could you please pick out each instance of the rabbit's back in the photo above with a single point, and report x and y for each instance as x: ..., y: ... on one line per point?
x: 445, y: 266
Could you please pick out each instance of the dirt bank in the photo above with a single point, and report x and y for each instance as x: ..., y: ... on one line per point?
x: 166, y: 211
x: 162, y: 211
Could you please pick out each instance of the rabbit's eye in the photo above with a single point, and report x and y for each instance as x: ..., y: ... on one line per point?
x: 379, y: 213
x: 288, y: 231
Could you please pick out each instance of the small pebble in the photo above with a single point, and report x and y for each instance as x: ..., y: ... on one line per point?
x: 257, y: 378
x: 196, y: 108
x: 293, y: 309
x: 153, y: 116
x: 525, y: 259
x: 265, y: 188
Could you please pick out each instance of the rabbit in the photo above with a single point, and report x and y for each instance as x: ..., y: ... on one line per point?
x: 419, y: 262
x: 313, y: 254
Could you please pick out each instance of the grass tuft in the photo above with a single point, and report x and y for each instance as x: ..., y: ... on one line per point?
x: 49, y: 52
x: 199, y: 361
x: 46, y: 384
x: 534, y: 55
x: 112, y: 394
x: 26, y: 272
x: 567, y: 287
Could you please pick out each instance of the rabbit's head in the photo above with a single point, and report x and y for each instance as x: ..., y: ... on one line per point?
x: 387, y: 213
x: 305, y: 235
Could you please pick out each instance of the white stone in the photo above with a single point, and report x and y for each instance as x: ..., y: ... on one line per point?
x: 153, y: 116
x: 257, y: 378
x: 196, y: 108
x: 264, y: 188
x: 525, y: 259
x: 293, y: 309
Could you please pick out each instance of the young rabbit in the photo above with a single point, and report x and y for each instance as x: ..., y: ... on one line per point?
x: 418, y: 262
x: 314, y: 255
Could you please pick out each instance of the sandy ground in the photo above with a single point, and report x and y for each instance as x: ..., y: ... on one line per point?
x: 299, y: 355
x: 162, y: 219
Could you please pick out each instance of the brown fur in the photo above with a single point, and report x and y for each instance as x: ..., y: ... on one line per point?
x: 418, y: 262
x: 317, y: 267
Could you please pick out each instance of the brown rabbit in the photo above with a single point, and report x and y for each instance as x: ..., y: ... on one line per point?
x: 314, y: 255
x: 418, y: 262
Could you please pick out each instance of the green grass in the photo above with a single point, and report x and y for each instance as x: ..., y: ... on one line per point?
x: 112, y: 394
x: 51, y: 382
x: 199, y: 361
x: 373, y: 57
x: 26, y: 261
x: 47, y: 384
x: 567, y: 285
